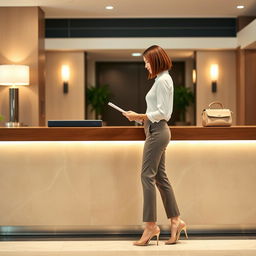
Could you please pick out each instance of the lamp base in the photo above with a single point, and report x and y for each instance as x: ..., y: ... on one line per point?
x: 12, y: 124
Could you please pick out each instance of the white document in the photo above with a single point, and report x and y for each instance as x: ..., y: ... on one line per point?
x: 116, y: 107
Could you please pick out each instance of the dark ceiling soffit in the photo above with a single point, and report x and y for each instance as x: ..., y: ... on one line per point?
x: 173, y: 27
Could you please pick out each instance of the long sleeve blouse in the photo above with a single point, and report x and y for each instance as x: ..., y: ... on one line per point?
x: 159, y: 99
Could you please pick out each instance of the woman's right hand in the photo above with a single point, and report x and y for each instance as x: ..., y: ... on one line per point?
x: 133, y: 116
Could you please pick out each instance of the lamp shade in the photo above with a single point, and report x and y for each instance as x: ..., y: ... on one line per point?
x: 14, y: 75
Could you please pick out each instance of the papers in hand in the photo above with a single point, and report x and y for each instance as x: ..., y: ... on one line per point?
x: 116, y: 107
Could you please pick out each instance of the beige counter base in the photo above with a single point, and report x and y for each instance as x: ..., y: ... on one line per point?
x: 97, y: 184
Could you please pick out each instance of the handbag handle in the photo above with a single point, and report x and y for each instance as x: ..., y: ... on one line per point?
x: 215, y: 102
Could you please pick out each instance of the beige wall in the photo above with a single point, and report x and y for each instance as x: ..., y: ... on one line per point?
x: 21, y: 31
x: 60, y: 106
x: 95, y: 185
x: 226, y: 84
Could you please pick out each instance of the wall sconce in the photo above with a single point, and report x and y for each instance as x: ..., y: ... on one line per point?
x: 14, y: 75
x: 214, y: 76
x: 194, y: 76
x: 65, y: 74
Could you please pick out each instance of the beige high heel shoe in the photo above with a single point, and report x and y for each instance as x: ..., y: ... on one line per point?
x: 182, y: 226
x: 154, y: 232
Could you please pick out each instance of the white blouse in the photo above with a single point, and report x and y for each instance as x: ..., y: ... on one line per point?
x: 160, y: 98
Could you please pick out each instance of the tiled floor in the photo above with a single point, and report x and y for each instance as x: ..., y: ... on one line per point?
x: 216, y: 247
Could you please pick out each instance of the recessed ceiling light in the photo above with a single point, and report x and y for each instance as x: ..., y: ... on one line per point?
x: 240, y: 7
x: 136, y: 54
x: 109, y: 7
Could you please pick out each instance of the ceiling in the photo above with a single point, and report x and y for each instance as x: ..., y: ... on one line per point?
x: 138, y: 8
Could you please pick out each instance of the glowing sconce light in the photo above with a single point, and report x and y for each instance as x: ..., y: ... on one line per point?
x: 65, y: 75
x: 214, y: 76
x: 194, y: 76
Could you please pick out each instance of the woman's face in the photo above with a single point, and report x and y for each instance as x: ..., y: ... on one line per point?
x: 147, y: 65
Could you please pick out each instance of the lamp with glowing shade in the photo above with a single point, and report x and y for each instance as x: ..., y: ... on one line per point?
x: 14, y: 76
x: 214, y: 76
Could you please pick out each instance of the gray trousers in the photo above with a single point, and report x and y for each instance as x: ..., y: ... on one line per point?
x: 153, y: 172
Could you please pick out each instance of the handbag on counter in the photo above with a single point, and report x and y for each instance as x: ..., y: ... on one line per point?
x: 216, y: 116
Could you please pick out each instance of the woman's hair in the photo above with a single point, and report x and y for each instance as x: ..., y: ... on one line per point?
x: 158, y: 60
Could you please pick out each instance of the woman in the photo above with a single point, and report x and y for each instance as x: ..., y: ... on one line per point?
x: 159, y: 109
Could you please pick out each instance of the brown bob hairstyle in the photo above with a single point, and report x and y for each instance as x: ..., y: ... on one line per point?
x: 158, y: 60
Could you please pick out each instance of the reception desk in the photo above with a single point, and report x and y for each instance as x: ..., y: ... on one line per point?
x: 79, y: 180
